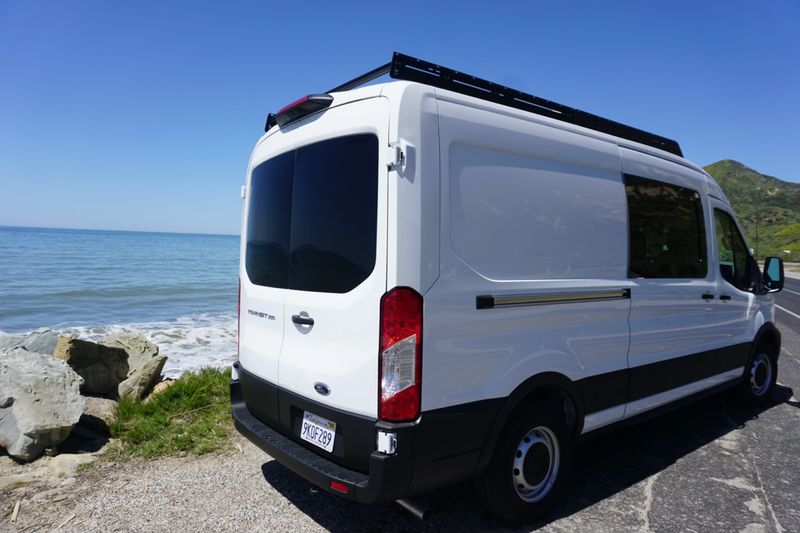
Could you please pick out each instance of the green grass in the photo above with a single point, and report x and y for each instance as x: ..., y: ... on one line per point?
x: 190, y: 417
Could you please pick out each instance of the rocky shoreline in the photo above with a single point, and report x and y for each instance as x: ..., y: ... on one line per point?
x: 58, y: 398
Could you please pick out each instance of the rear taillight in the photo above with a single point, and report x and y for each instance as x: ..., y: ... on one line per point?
x: 238, y: 318
x: 400, y: 365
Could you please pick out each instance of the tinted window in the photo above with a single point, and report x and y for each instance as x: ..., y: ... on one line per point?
x: 320, y: 230
x: 732, y: 251
x: 334, y: 214
x: 267, y: 254
x: 667, y: 230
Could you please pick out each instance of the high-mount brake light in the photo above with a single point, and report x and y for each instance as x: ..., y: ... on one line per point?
x: 298, y: 109
x: 297, y: 102
x: 400, y: 364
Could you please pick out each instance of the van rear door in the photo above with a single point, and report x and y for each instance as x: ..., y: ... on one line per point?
x: 335, y: 266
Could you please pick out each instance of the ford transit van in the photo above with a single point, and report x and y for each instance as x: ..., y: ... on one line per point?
x: 445, y: 279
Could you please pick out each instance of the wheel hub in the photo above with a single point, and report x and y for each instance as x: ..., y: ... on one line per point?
x: 536, y: 463
x: 761, y: 374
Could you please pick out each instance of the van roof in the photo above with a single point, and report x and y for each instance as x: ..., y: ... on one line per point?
x: 456, y: 86
x: 403, y: 67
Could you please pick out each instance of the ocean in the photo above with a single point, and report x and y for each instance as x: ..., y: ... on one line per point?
x: 179, y: 290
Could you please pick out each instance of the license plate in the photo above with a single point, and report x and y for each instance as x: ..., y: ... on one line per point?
x: 318, y: 431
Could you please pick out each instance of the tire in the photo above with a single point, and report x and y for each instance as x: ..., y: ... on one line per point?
x: 759, y: 378
x: 520, y: 495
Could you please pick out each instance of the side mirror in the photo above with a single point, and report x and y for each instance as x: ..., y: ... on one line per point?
x: 773, y: 274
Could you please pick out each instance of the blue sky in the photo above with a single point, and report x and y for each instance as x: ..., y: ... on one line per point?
x: 141, y: 115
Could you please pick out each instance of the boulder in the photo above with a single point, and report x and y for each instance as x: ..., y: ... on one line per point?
x: 40, y: 402
x: 135, y: 345
x: 99, y: 414
x: 40, y: 340
x: 145, y: 365
x: 102, y: 368
x: 10, y: 341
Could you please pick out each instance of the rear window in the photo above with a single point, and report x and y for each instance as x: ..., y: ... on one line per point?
x: 312, y: 222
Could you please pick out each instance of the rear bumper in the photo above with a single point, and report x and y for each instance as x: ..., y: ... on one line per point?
x: 441, y: 447
x: 389, y: 476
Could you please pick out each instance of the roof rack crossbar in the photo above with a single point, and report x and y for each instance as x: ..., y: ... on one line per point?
x: 364, y: 78
x: 403, y: 67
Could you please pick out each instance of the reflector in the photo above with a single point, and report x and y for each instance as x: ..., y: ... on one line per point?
x: 339, y: 487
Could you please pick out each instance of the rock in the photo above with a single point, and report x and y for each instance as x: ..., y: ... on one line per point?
x: 142, y: 378
x: 102, y: 368
x: 40, y: 340
x: 10, y: 341
x: 15, y: 481
x: 100, y: 413
x: 145, y: 365
x: 135, y: 345
x: 39, y: 402
x: 67, y: 465
x: 159, y: 388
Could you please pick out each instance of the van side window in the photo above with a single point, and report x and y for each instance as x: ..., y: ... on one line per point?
x: 667, y: 230
x: 732, y: 251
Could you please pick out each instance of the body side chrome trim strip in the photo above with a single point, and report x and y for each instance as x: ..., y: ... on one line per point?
x: 519, y: 300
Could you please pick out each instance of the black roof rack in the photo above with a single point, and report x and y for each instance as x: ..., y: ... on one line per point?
x: 403, y: 67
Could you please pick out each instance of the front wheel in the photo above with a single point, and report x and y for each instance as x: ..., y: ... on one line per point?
x: 530, y: 467
x: 760, y: 377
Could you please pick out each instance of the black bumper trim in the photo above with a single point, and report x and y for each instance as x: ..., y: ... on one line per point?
x: 389, y: 476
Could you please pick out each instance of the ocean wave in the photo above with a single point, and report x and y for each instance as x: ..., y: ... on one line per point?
x: 190, y: 343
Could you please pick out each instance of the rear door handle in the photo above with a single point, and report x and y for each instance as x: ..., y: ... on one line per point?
x: 708, y: 296
x: 303, y: 320
x: 725, y: 297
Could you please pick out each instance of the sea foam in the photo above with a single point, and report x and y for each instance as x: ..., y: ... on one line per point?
x: 190, y: 343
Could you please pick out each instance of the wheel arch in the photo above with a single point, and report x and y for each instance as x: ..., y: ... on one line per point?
x: 768, y: 333
x: 544, y: 386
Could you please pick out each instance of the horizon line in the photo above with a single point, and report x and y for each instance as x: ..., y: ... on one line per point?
x: 122, y: 230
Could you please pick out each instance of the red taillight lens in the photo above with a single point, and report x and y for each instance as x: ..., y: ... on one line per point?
x: 400, y: 365
x: 238, y: 318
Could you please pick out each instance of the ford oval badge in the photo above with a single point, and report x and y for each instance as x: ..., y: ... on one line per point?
x: 322, y: 388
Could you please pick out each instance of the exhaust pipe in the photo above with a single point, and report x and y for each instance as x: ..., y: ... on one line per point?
x: 418, y: 510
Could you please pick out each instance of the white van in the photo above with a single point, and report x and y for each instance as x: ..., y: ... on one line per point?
x: 443, y: 278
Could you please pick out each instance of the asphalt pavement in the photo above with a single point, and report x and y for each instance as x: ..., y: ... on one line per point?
x: 710, y: 466
x: 787, y: 304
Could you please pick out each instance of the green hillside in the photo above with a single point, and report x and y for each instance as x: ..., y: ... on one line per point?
x: 773, y: 202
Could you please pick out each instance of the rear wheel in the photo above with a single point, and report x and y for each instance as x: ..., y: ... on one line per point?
x: 760, y: 377
x: 530, y: 467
